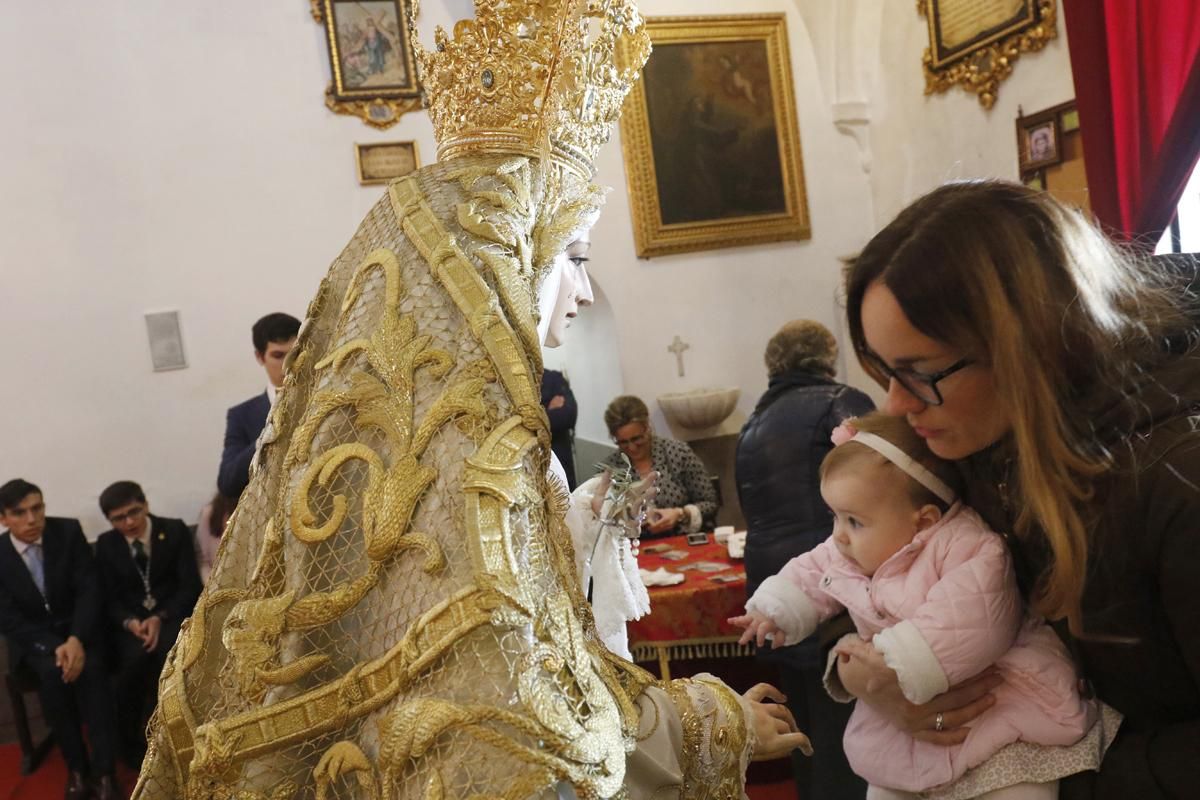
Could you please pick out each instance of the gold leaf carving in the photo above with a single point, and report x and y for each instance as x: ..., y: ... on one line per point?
x: 981, y: 69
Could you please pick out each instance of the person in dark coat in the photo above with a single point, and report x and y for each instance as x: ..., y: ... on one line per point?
x: 273, y: 336
x: 559, y: 402
x: 1062, y: 375
x: 779, y: 455
x: 148, y: 572
x: 50, y: 615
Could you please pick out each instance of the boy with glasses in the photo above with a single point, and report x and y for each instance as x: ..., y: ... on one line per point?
x: 151, y: 583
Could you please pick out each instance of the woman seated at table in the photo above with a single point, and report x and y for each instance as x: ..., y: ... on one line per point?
x: 686, y: 500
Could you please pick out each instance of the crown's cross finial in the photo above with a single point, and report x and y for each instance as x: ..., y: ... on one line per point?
x: 677, y: 347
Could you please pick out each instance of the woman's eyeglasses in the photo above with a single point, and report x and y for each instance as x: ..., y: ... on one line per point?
x: 632, y: 441
x: 921, y: 385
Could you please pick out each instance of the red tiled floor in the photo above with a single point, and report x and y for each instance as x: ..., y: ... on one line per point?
x: 784, y: 790
x: 47, y: 781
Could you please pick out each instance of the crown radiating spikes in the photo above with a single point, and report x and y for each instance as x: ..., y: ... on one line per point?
x: 532, y: 77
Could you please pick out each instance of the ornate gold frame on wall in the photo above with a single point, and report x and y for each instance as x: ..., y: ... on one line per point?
x: 379, y: 108
x: 654, y: 238
x: 987, y: 57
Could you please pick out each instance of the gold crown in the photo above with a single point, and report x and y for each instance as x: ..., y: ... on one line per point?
x: 534, y: 77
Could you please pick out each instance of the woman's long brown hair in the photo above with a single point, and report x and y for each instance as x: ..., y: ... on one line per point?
x: 1064, y: 320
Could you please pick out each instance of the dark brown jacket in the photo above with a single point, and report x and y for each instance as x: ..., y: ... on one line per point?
x: 1143, y: 585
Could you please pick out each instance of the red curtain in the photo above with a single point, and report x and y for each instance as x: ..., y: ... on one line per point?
x: 1136, y: 65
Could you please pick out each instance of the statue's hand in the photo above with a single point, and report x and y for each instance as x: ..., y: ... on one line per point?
x: 775, y: 731
x: 601, y: 492
x: 629, y: 508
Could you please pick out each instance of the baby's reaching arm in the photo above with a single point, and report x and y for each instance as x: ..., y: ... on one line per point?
x: 789, y: 606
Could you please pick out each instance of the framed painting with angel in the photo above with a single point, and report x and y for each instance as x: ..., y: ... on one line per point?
x: 712, y: 149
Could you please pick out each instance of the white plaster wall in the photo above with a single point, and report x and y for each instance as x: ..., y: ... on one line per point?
x: 920, y: 142
x: 180, y: 156
x: 158, y: 155
x: 726, y: 303
x: 592, y: 366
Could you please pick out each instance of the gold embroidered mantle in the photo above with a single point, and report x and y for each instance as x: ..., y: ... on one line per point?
x: 394, y: 611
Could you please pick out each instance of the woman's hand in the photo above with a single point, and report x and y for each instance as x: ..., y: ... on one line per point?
x: 664, y: 519
x: 775, y: 732
x: 940, y: 721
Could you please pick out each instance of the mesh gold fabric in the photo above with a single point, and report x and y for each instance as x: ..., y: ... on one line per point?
x: 394, y: 612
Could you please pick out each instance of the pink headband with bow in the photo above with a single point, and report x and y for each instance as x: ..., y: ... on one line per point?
x: 848, y: 433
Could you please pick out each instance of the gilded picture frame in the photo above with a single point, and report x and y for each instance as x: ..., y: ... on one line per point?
x: 372, y: 67
x: 382, y: 162
x: 975, y: 43
x: 1039, y: 141
x: 710, y: 138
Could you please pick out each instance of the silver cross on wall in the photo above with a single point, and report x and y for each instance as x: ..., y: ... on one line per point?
x: 677, y: 347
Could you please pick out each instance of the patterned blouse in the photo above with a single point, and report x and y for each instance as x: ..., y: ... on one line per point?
x: 683, y: 480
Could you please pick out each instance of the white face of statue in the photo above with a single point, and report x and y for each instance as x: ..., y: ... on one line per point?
x: 565, y: 290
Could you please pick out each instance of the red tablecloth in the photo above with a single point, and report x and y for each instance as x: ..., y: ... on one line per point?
x: 690, y: 616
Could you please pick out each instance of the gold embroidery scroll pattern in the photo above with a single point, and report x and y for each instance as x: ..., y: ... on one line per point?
x: 176, y: 717
x: 381, y: 397
x: 223, y: 744
x: 495, y: 480
x: 499, y: 210
x: 345, y: 759
x: 475, y: 300
x: 559, y: 682
x: 253, y: 628
x: 714, y: 741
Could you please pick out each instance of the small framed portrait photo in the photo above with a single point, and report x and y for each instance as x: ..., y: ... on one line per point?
x: 1039, y: 141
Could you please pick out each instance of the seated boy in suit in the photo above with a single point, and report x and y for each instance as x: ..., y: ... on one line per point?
x: 148, y: 574
x: 49, y: 612
x: 274, y: 336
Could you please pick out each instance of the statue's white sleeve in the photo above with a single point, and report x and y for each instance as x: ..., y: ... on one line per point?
x: 604, y: 561
x: 584, y: 526
x: 694, y: 742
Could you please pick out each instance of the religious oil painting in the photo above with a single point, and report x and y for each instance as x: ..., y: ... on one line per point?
x: 371, y: 59
x: 711, y: 143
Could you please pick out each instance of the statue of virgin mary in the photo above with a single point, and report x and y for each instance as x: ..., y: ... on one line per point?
x: 395, y: 610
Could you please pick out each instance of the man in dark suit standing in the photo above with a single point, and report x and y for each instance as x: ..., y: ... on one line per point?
x: 148, y: 572
x: 274, y: 336
x: 49, y: 612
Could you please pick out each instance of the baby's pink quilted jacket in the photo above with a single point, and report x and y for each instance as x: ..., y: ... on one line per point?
x: 941, y: 610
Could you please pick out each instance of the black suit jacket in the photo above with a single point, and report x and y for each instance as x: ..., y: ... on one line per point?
x: 243, y: 425
x: 174, y: 579
x: 72, y: 602
x: 562, y: 420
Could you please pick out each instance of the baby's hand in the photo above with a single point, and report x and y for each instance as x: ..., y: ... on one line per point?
x: 757, y: 628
